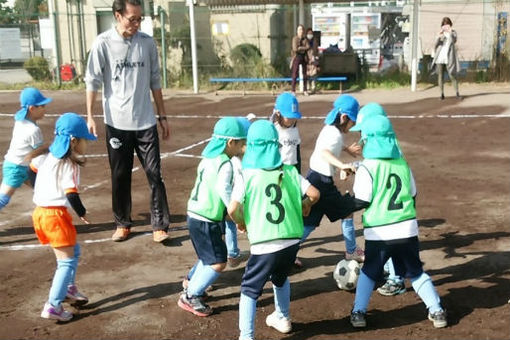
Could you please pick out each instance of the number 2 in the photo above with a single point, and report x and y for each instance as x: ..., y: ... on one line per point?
x: 393, y: 205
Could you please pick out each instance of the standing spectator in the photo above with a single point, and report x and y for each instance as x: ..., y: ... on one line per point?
x: 446, y: 55
x: 125, y: 62
x: 299, y: 49
x: 312, y: 68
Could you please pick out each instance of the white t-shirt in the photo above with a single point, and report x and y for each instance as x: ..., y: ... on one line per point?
x: 238, y: 194
x: 26, y: 136
x: 55, y: 179
x: 442, y: 58
x: 362, y: 188
x: 289, y: 140
x: 330, y: 138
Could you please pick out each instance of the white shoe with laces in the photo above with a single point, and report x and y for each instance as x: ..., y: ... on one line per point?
x: 282, y: 325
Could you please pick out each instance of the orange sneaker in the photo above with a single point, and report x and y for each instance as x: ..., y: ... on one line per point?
x: 159, y: 235
x: 121, y: 234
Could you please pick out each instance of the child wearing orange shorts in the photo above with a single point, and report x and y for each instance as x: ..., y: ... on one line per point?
x: 56, y: 189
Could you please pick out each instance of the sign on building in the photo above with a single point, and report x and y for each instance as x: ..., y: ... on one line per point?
x: 10, y: 43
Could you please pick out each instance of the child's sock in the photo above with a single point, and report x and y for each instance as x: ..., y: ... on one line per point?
x: 364, y: 290
x: 77, y: 253
x: 60, y: 282
x: 4, y: 200
x: 282, y: 299
x: 204, y: 277
x: 247, y: 313
x: 425, y: 289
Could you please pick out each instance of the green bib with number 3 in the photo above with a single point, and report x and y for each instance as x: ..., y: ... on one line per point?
x: 392, y: 200
x: 272, y: 205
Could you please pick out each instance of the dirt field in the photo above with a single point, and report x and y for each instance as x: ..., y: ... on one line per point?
x: 460, y: 156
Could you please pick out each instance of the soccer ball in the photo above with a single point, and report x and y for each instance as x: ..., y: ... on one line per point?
x: 346, y: 274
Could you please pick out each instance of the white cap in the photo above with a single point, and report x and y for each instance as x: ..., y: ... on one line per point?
x: 251, y: 116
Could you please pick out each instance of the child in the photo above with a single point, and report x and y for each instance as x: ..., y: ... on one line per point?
x: 234, y: 255
x: 26, y: 143
x: 394, y: 284
x: 206, y: 212
x: 323, y: 161
x: 285, y: 116
x: 271, y: 213
x: 385, y: 184
x: 56, y: 188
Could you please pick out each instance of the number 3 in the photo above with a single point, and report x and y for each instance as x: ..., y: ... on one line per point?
x: 276, y: 202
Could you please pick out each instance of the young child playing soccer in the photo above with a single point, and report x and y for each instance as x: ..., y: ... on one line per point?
x: 206, y: 212
x: 56, y: 189
x: 268, y: 205
x: 285, y: 116
x: 394, y: 284
x: 384, y: 184
x: 323, y: 162
x: 26, y: 144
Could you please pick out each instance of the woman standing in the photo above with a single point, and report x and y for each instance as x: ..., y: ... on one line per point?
x: 446, y: 55
x: 299, y: 48
x: 312, y: 70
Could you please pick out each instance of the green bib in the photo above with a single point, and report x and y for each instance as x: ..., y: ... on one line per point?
x: 205, y: 200
x: 392, y: 200
x: 272, y: 205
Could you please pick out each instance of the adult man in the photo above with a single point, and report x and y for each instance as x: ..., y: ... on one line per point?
x: 125, y: 62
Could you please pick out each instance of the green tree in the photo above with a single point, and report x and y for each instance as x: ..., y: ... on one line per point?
x: 27, y: 10
x: 6, y: 13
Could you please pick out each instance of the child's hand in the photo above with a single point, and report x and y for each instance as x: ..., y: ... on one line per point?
x: 241, y: 227
x: 307, y: 207
x: 354, y: 149
x: 84, y: 219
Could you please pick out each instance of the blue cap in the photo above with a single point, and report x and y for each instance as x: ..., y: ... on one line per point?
x: 287, y: 105
x: 30, y: 96
x: 245, y: 123
x: 344, y: 104
x: 69, y: 125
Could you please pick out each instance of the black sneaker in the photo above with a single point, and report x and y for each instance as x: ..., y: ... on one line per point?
x: 358, y: 319
x: 194, y: 305
x: 438, y: 318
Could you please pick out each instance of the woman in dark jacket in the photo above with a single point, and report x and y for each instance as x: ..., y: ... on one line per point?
x: 299, y: 48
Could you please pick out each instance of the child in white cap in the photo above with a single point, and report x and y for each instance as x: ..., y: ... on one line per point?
x: 385, y: 185
x: 26, y: 144
x: 268, y: 205
x: 56, y: 189
x: 206, y: 212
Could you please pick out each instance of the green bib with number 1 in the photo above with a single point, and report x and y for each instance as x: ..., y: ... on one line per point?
x: 272, y: 205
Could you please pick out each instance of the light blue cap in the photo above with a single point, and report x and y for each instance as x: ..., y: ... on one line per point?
x: 30, y: 96
x: 288, y: 106
x: 262, y: 147
x: 69, y: 125
x: 379, y: 137
x: 344, y: 104
x: 226, y: 128
x: 368, y: 110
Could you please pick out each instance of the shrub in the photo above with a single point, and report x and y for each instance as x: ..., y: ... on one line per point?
x: 38, y: 68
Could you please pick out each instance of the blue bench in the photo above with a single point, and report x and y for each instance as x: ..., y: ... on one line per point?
x: 274, y: 80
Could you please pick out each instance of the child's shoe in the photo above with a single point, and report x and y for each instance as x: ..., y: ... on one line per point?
x: 282, y: 325
x: 55, y: 313
x: 391, y: 288
x: 358, y: 255
x: 358, y: 319
x: 438, y: 318
x: 234, y: 262
x: 194, y: 305
x: 74, y: 297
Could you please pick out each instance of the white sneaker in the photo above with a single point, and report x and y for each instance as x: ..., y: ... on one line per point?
x: 282, y: 325
x: 55, y: 313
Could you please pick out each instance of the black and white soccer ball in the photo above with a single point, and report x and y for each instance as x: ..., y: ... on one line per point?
x: 346, y: 274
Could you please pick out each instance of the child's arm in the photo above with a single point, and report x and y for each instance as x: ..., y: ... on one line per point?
x: 36, y: 152
x: 74, y: 199
x: 354, y: 149
x: 331, y: 159
x: 312, y: 197
x: 235, y: 211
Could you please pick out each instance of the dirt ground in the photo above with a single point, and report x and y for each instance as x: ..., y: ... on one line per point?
x: 460, y: 156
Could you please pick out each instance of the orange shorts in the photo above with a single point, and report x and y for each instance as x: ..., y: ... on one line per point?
x: 54, y: 225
